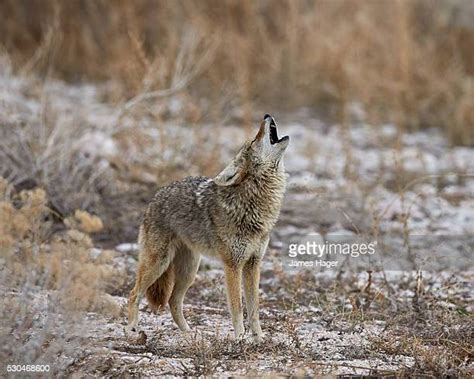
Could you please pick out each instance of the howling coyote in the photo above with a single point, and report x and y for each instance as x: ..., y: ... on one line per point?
x: 229, y: 217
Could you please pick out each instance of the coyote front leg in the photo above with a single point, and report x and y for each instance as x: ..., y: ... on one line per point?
x: 251, y: 274
x: 233, y: 277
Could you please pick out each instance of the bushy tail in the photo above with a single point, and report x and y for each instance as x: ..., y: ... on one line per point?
x: 159, y: 292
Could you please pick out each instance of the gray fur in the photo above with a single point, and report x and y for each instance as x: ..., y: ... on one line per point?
x: 229, y: 217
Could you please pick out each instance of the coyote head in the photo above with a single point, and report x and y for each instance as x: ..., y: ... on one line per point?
x: 260, y: 156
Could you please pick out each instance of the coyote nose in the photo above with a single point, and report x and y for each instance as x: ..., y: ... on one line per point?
x: 272, y: 121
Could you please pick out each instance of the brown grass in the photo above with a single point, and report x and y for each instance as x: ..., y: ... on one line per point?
x: 57, y: 261
x: 439, y: 340
x: 410, y: 62
x: 47, y: 281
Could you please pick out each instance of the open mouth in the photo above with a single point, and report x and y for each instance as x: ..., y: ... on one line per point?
x: 274, y: 134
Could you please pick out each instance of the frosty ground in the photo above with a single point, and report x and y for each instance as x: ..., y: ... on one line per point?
x: 310, y: 327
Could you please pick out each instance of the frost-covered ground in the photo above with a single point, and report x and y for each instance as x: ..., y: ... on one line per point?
x: 313, y: 324
x: 412, y: 193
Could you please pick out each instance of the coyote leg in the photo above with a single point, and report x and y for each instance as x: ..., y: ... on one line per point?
x: 251, y: 274
x: 186, y: 264
x: 233, y: 276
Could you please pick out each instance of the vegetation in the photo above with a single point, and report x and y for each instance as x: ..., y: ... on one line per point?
x: 409, y: 62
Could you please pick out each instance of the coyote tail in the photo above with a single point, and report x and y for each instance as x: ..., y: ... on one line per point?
x: 158, y: 294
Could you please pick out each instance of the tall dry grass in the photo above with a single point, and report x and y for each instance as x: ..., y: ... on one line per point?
x: 409, y: 62
x: 48, y: 281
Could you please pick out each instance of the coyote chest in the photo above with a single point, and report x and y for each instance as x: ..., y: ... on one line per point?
x: 248, y: 213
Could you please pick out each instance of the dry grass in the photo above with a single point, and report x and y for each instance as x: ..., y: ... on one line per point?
x: 61, y: 261
x: 438, y: 339
x: 47, y: 150
x: 47, y: 281
x: 407, y: 61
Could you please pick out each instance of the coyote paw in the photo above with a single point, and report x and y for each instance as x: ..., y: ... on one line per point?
x: 257, y: 338
x: 253, y: 338
x: 184, y: 328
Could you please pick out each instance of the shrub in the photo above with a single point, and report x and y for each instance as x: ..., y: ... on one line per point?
x: 48, y: 280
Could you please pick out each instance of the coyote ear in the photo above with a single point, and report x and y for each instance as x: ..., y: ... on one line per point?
x: 232, y: 174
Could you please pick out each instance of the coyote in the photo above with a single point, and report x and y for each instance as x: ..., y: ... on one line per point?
x: 229, y: 217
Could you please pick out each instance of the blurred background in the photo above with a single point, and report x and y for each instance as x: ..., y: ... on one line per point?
x: 406, y: 61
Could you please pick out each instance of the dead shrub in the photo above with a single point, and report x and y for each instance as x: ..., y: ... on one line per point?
x: 46, y: 154
x: 85, y: 222
x: 48, y: 281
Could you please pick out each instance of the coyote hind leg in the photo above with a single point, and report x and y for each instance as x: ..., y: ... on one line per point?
x: 185, y: 265
x: 153, y: 262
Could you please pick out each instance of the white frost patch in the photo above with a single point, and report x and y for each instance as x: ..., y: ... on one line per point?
x: 97, y: 144
x: 127, y: 247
